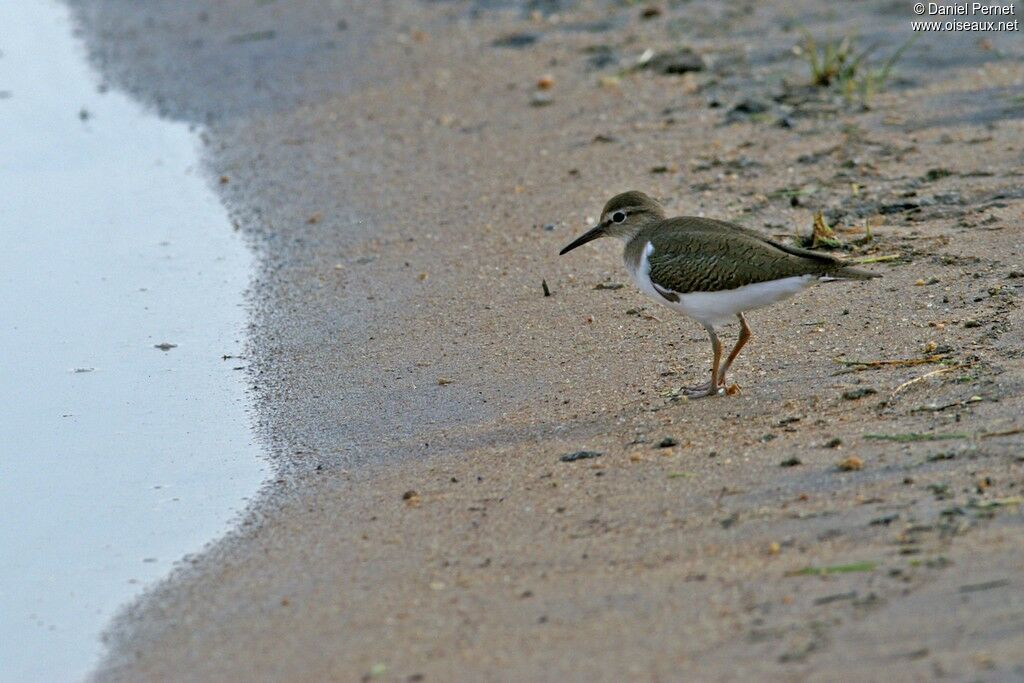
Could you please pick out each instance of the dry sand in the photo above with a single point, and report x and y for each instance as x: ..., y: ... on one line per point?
x: 407, y: 196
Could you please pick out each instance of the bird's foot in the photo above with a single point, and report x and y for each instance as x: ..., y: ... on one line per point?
x: 701, y: 390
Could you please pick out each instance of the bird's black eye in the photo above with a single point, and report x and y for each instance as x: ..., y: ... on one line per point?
x: 618, y: 216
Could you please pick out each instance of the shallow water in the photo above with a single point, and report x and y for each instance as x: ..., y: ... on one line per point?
x: 117, y: 458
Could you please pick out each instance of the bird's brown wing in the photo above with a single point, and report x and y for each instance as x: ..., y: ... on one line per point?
x: 706, y: 255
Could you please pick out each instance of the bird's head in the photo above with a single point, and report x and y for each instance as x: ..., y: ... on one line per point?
x: 623, y: 216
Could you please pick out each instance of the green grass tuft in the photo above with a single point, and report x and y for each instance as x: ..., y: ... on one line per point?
x: 840, y: 65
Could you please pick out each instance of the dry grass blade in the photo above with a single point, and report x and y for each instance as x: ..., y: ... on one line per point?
x: 877, y: 259
x: 999, y: 502
x: 835, y: 569
x: 923, y: 377
x: 823, y: 234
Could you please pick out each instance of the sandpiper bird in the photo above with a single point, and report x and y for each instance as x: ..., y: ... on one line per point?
x: 709, y: 270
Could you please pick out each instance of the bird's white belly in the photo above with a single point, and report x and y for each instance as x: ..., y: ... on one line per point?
x: 714, y: 307
x: 711, y: 307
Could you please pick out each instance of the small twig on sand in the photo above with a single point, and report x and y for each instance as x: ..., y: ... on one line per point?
x: 1005, y: 432
x: 859, y: 365
x: 946, y: 406
x: 916, y: 436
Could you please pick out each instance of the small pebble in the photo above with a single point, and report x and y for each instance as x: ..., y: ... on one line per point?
x: 541, y: 99
x: 850, y: 464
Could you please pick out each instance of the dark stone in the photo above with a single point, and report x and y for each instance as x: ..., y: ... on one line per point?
x: 854, y: 394
x: 937, y: 173
x: 791, y: 462
x: 580, y: 455
x: 586, y: 27
x: 676, y: 62
x: 602, y: 56
x: 668, y: 442
x: 898, y: 207
x: 745, y: 109
x: 954, y: 198
x: 516, y: 41
x: 750, y: 106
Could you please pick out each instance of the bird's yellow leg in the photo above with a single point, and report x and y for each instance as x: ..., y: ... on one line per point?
x: 711, y: 387
x: 745, y: 336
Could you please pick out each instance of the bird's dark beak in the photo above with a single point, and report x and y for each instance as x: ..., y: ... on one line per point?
x: 592, y: 234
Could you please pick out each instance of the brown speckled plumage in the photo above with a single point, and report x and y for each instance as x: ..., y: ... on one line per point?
x: 706, y: 255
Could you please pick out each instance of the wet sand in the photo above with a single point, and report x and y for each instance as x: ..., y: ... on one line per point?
x: 407, y: 190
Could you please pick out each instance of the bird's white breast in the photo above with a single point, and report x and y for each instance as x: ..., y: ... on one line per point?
x: 713, y: 307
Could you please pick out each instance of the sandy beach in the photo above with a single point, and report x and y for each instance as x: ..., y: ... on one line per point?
x: 406, y: 173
